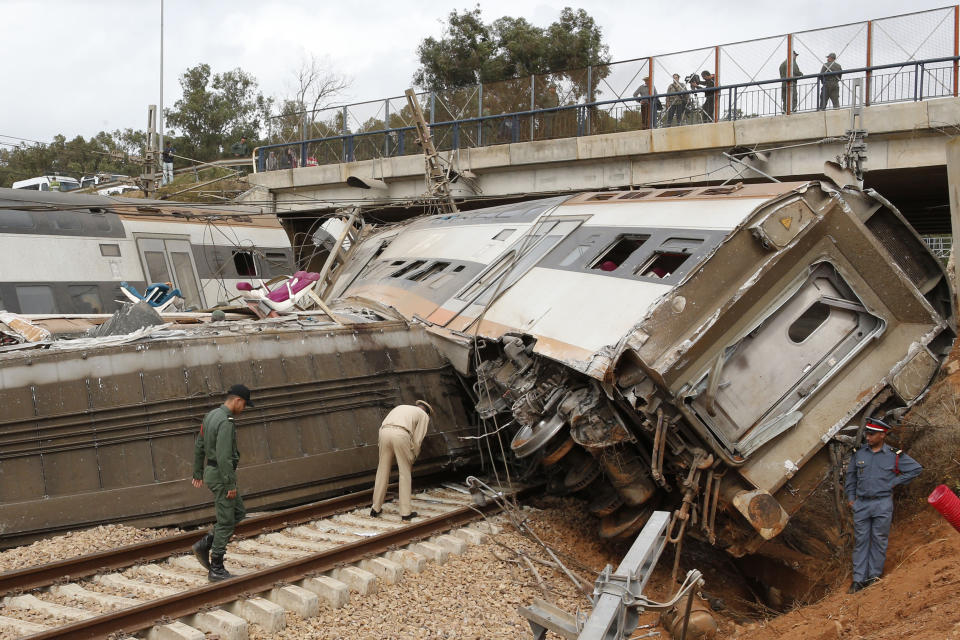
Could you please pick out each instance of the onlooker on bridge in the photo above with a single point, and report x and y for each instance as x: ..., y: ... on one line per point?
x: 676, y: 104
x: 830, y: 85
x: 240, y: 148
x: 786, y: 72
x: 167, y: 164
x: 291, y: 157
x: 709, y: 94
x: 646, y: 93
x: 272, y: 164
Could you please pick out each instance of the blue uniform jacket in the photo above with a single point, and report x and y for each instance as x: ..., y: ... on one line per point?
x: 871, y: 474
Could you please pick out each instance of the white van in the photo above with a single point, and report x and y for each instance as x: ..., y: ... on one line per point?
x: 48, y: 183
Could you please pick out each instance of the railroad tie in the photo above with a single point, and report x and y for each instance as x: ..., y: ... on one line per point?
x: 430, y: 551
x: 452, y: 544
x: 409, y: 560
x: 175, y: 631
x: 169, y: 575
x: 333, y: 592
x: 387, y: 570
x: 315, y: 534
x: 304, y: 603
x: 270, y: 616
x: 117, y: 581
x: 256, y: 547
x: 284, y: 540
x: 30, y: 602
x: 22, y: 627
x: 359, y: 580
x: 470, y: 536
x: 76, y: 592
x: 223, y: 624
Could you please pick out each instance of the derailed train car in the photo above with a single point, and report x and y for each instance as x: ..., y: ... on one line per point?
x: 692, y: 347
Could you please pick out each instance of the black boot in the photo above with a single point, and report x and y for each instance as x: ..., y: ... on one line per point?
x: 374, y: 513
x: 409, y: 516
x: 217, y: 571
x: 201, y: 549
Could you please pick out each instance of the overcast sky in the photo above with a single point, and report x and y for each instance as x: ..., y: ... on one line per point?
x: 82, y: 66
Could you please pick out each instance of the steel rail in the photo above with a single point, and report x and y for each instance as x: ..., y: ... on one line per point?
x: 143, y: 616
x: 86, y: 565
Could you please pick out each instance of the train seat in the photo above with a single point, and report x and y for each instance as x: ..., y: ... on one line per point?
x: 287, y: 294
x: 158, y: 295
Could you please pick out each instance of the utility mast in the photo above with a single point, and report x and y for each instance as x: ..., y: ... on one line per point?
x: 148, y: 179
x: 438, y: 177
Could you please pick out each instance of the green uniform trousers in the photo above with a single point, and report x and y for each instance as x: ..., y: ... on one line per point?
x: 230, y: 511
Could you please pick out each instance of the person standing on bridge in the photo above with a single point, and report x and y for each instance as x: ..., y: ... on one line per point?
x: 830, y: 85
x: 791, y: 86
x: 401, y: 435
x: 872, y: 473
x: 167, y: 164
x: 709, y: 83
x: 676, y: 104
x: 217, y: 445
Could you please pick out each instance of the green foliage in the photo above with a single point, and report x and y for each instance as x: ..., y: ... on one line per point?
x: 104, y: 152
x: 217, y: 109
x: 472, y: 52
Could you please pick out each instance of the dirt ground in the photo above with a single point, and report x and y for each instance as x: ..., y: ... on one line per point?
x: 917, y: 596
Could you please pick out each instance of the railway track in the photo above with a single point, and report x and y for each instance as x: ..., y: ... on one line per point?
x: 300, y: 560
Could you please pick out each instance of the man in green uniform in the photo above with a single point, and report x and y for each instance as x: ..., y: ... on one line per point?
x: 217, y: 445
x: 789, y: 87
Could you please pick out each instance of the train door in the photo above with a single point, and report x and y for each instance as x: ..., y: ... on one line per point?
x: 762, y: 380
x: 171, y: 260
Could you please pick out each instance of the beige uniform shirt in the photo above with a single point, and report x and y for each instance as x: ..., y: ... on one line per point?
x: 414, y: 419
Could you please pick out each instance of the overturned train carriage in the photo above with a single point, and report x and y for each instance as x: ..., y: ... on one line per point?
x: 695, y: 347
x: 96, y: 433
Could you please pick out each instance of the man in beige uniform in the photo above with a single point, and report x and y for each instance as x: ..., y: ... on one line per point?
x: 401, y: 435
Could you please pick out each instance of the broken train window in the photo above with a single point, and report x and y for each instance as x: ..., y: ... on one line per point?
x: 669, y: 257
x: 621, y: 249
x: 244, y: 264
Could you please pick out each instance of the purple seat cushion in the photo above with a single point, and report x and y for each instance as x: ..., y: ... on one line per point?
x: 244, y: 286
x: 299, y: 281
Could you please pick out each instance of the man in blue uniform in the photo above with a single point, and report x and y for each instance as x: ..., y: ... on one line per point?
x: 217, y: 445
x: 872, y: 473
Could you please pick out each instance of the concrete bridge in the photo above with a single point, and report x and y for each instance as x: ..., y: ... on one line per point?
x: 906, y: 161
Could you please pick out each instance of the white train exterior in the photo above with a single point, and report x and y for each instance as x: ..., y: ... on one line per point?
x: 692, y: 347
x: 68, y: 253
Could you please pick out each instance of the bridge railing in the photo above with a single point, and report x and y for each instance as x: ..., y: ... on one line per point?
x: 896, y: 82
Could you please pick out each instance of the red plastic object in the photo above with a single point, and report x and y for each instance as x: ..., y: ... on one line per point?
x: 947, y: 503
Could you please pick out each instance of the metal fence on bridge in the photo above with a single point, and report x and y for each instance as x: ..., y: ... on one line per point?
x: 901, y: 58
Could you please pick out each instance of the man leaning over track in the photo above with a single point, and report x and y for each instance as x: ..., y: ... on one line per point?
x: 217, y: 445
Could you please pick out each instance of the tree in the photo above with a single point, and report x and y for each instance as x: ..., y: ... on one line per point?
x: 215, y: 110
x: 312, y: 88
x: 104, y: 152
x: 472, y: 52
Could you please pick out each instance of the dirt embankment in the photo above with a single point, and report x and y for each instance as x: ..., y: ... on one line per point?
x: 917, y: 596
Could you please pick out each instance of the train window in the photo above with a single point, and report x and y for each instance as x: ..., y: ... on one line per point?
x: 622, y: 248
x: 110, y: 250
x: 674, y: 193
x: 578, y: 252
x: 503, y: 235
x: 156, y: 266
x: 66, y: 221
x: 633, y: 195
x: 662, y: 263
x: 603, y: 196
x: 85, y: 298
x: 36, y: 299
x: 808, y: 322
x: 244, y: 264
x: 458, y: 268
x: 16, y: 220
x: 416, y: 264
x: 432, y: 270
